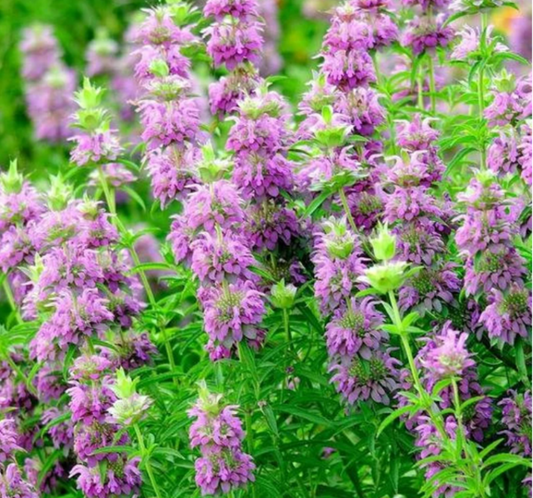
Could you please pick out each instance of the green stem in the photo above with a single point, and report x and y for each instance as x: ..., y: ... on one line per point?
x: 10, y: 299
x: 374, y: 55
x: 250, y: 438
x: 287, y: 327
x: 420, y: 86
x: 344, y: 203
x: 146, y: 460
x: 432, y: 86
x: 110, y: 199
x: 481, y: 93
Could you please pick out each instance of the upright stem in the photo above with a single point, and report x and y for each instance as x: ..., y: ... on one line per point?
x: 346, y: 208
x: 420, y: 86
x: 146, y: 461
x: 374, y: 55
x: 110, y: 199
x: 10, y: 299
x: 481, y: 93
x: 250, y: 438
x: 432, y: 86
x: 287, y: 327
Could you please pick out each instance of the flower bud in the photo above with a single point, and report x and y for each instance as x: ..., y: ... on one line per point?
x: 59, y: 193
x: 340, y: 243
x: 89, y: 97
x: 12, y: 181
x: 384, y: 244
x: 385, y: 277
x: 130, y: 410
x: 124, y: 386
x: 505, y: 82
x: 283, y: 296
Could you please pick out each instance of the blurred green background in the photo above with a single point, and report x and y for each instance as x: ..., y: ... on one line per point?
x: 75, y: 23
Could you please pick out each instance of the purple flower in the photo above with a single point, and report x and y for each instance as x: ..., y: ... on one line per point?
x: 261, y: 175
x: 62, y: 434
x: 322, y: 170
x: 41, y: 51
x: 100, y: 146
x: 75, y: 318
x: 361, y: 379
x: 430, y: 289
x: 348, y: 69
x: 372, y: 4
x: 449, y: 357
x: 516, y: 417
x: 89, y: 404
x: 418, y: 242
x: 101, y: 55
x: 89, y: 368
x: 19, y: 207
x: 222, y: 257
x: 159, y: 29
x: 122, y: 477
x: 265, y: 133
x: 269, y: 225
x: 526, y: 153
x: 416, y: 134
x: 178, y: 64
x: 508, y: 315
x: 427, y: 33
x: 218, y: 432
x: 507, y: 108
x: 231, y: 44
x: 488, y: 222
x: 225, y: 94
x: 355, y: 330
x: 172, y: 172
x: 166, y: 123
x: 50, y: 104
x: 347, y: 31
x: 494, y: 270
x: 12, y: 484
x: 133, y: 351
x: 338, y: 265
x: 49, y: 382
x: 503, y: 154
x: 239, y: 9
x: 232, y: 312
x: 90, y: 437
x: 8, y: 439
x: 362, y: 110
x: 470, y: 43
x: 218, y: 203
x: 426, y: 4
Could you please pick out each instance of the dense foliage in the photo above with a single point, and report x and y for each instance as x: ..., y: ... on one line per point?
x: 230, y: 269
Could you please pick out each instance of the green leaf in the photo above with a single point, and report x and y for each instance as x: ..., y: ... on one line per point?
x: 392, y: 417
x: 315, y: 204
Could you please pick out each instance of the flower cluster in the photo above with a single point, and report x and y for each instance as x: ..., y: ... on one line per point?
x: 50, y: 84
x: 169, y: 114
x: 235, y: 40
x: 218, y: 433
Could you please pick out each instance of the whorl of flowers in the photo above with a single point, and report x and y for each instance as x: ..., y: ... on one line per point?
x: 338, y: 265
x: 50, y: 84
x: 98, y: 143
x: 235, y: 40
x: 169, y: 114
x: 218, y: 433
x: 426, y: 33
x: 516, y: 418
